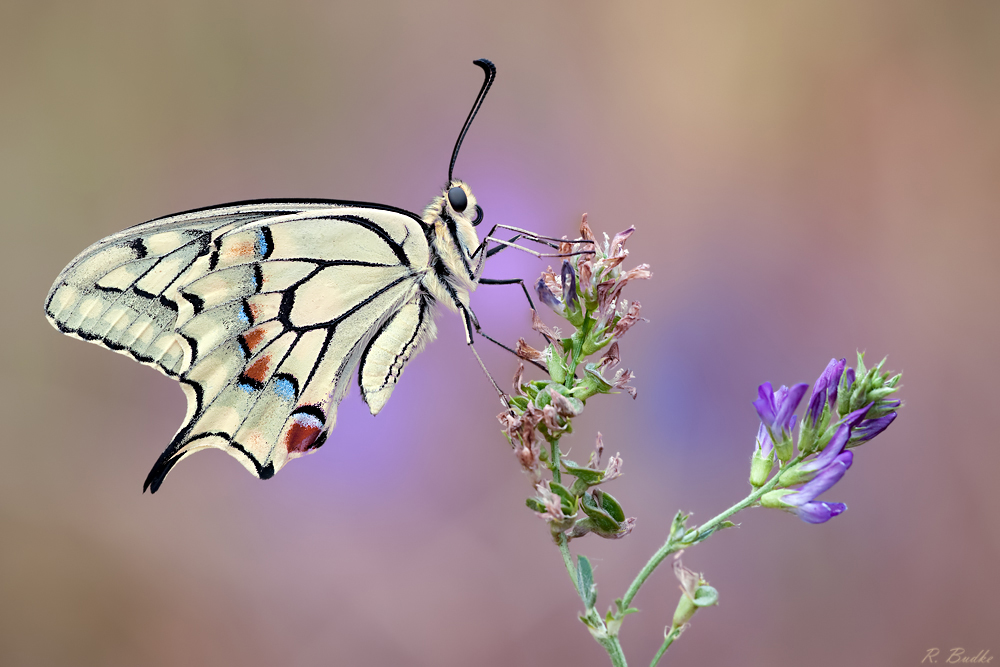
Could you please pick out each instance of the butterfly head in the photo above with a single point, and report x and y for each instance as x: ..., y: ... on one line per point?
x: 453, y: 217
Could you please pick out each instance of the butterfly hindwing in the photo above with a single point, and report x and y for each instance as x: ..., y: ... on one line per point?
x: 400, y: 337
x: 261, y: 311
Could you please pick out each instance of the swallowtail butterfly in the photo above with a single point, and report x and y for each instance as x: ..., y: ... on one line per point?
x: 262, y: 310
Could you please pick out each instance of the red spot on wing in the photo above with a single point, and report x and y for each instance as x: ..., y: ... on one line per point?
x: 253, y: 337
x: 258, y: 371
x: 302, y: 434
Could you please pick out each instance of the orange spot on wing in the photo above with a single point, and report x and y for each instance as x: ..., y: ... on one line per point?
x: 259, y: 369
x: 253, y: 337
x: 245, y: 249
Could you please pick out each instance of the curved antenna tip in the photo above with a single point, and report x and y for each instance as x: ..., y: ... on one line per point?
x: 487, y: 65
x: 491, y: 72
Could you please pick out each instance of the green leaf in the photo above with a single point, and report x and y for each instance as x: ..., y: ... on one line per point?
x: 585, y: 582
x: 588, y: 476
x: 612, y: 507
x: 562, y: 492
x: 569, y: 502
x: 519, y: 402
x: 535, y: 505
x: 542, y: 399
x: 602, y: 520
x: 623, y: 612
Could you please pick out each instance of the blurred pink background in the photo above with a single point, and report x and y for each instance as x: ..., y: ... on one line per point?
x: 807, y: 179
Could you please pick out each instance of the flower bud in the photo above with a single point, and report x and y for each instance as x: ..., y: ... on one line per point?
x: 695, y: 593
x: 685, y: 610
x: 557, y: 366
x: 592, y: 383
x: 772, y: 499
x: 760, y: 467
x: 785, y: 448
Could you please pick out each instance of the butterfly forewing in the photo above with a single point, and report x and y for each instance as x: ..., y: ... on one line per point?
x: 261, y: 310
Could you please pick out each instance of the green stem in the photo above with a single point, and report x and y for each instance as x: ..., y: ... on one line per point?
x: 614, y: 649
x: 667, y: 641
x: 567, y: 558
x: 672, y: 546
x: 647, y: 569
x: 554, y: 461
x: 608, y: 643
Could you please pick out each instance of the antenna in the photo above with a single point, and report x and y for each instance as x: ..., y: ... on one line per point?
x: 491, y: 73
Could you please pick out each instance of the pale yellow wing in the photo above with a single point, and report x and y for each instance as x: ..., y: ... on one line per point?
x: 261, y: 311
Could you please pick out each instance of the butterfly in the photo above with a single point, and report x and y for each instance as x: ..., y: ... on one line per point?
x: 262, y: 310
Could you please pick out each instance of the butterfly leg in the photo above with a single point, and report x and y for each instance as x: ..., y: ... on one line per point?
x: 479, y: 330
x: 511, y: 244
x: 468, y: 321
x: 494, y: 251
x: 537, y: 238
x: 509, y: 281
x: 527, y: 295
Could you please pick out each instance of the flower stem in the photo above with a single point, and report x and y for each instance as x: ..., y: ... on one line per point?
x: 673, y: 545
x: 594, y: 622
x: 647, y: 569
x: 668, y: 639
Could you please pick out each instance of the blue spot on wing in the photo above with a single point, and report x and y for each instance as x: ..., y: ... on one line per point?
x: 262, y: 244
x: 285, y: 389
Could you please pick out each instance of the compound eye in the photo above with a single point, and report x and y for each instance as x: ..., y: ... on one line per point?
x: 457, y: 199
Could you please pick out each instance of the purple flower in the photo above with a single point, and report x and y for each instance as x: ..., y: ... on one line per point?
x: 547, y: 297
x: 825, y: 390
x: 803, y: 503
x: 568, y: 284
x: 764, y: 444
x: 777, y: 408
x: 828, y: 430
x: 869, y: 428
x: 863, y: 430
x: 833, y: 450
x: 819, y: 474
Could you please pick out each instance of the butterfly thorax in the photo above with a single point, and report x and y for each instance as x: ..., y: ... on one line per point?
x: 454, y: 272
